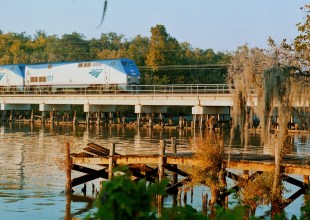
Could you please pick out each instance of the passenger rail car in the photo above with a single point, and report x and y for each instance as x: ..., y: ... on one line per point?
x: 95, y: 74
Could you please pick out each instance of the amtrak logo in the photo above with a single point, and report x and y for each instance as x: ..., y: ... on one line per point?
x: 1, y: 76
x: 95, y: 72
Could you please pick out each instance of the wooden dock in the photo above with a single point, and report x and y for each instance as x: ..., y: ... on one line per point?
x: 168, y: 165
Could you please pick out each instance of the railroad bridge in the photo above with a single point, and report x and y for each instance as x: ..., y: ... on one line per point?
x: 206, y: 99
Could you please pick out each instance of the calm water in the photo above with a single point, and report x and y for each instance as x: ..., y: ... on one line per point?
x: 31, y: 183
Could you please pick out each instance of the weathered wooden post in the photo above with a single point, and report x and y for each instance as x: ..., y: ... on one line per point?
x: 306, y: 181
x: 161, y: 161
x: 68, y: 207
x: 110, y: 118
x: 68, y: 168
x: 185, y: 196
x: 87, y: 118
x: 174, y: 145
x: 52, y: 116
x: 74, y: 117
x: 174, y: 175
x: 179, y: 195
x: 181, y: 124
x: 162, y: 149
x: 174, y: 151
x: 11, y: 116
x: 98, y: 118
x: 32, y: 116
x: 150, y: 122
x: 111, y: 154
x: 3, y: 115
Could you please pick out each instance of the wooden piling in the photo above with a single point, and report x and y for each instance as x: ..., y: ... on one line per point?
x: 52, y: 117
x: 98, y: 118
x: 179, y: 195
x: 161, y: 161
x: 174, y: 145
x: 111, y: 154
x: 74, y: 117
x: 68, y: 168
x: 162, y: 149
x: 174, y: 151
x: 11, y: 116
x: 306, y: 181
x: 185, y: 197
x: 32, y: 116
x: 68, y: 215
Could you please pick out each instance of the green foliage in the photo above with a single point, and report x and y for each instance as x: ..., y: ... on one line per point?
x: 124, y: 199
x: 232, y: 214
x: 182, y: 213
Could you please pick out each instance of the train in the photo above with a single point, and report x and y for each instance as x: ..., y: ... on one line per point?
x: 74, y: 75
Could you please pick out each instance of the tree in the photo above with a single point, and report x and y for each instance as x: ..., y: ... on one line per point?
x: 162, y: 48
x: 138, y: 48
x: 74, y: 47
x: 268, y: 84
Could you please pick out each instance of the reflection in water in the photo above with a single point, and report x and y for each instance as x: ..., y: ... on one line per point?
x: 31, y: 183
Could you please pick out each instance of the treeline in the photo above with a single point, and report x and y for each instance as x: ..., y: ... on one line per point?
x: 161, y: 58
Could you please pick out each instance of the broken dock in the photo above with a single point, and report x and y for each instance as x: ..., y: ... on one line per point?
x: 169, y: 165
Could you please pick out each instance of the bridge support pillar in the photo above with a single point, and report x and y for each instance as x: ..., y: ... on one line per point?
x: 209, y: 110
x: 148, y: 109
x: 98, y: 108
x: 52, y: 109
x: 18, y: 107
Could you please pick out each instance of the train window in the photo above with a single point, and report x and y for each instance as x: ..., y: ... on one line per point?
x: 49, y: 66
x: 113, y: 63
x: 33, y: 79
x: 80, y: 65
x: 87, y: 64
x: 12, y: 67
x: 42, y: 79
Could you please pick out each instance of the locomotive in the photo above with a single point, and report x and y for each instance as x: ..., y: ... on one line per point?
x: 76, y: 75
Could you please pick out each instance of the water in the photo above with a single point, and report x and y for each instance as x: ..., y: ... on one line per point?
x: 31, y: 183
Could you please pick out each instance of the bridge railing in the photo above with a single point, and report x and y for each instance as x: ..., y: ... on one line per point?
x: 120, y: 88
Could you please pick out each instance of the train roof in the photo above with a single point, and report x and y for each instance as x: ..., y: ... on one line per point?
x: 20, y: 71
x: 82, y: 61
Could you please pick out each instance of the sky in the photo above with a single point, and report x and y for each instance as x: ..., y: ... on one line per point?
x: 222, y: 25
